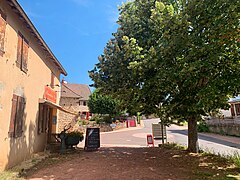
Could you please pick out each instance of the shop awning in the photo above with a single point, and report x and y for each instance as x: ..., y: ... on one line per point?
x: 53, y: 105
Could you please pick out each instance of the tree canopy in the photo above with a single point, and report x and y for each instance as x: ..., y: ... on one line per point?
x: 102, y: 104
x: 178, y: 59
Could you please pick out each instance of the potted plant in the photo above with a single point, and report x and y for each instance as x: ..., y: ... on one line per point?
x: 73, y: 138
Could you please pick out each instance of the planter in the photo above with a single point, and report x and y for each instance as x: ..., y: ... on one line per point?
x: 73, y: 140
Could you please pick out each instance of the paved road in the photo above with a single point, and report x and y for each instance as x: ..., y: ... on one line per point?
x: 136, y: 137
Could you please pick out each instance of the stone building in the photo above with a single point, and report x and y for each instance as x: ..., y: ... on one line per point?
x: 29, y: 87
x: 74, y: 98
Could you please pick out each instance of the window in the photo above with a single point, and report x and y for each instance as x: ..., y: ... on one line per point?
x: 43, y: 118
x: 84, y: 103
x: 237, y: 106
x: 22, y: 53
x: 232, y: 110
x: 17, y: 116
x: 2, y: 31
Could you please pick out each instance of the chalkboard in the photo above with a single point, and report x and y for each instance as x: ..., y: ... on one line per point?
x: 92, y: 140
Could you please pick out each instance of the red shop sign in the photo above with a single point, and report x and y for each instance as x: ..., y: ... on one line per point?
x: 50, y: 94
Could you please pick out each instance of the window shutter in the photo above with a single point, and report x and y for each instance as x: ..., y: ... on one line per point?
x: 40, y: 119
x: 25, y: 48
x: 20, y: 117
x: 19, y: 51
x: 45, y: 118
x: 13, y: 116
x: 2, y: 33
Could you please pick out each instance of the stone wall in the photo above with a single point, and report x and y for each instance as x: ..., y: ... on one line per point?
x: 225, y: 129
x: 72, y: 105
x: 224, y: 126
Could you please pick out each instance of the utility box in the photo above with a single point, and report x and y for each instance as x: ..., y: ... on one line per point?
x: 157, y: 131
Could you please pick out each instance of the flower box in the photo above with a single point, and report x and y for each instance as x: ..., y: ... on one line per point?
x: 73, y: 138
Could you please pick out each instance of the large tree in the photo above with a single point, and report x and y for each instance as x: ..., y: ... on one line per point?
x: 103, y: 104
x: 179, y: 59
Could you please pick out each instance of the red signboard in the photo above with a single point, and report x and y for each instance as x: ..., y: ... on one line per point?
x: 50, y: 94
x: 150, y: 142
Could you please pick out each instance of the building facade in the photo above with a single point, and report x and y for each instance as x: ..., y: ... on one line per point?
x: 74, y: 98
x: 29, y: 87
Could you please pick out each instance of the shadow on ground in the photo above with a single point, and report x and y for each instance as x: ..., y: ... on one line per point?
x: 132, y: 163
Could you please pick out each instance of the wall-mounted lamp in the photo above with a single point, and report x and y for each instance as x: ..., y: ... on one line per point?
x: 61, y: 91
x: 54, y: 85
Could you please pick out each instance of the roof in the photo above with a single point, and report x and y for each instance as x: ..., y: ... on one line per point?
x: 81, y: 91
x: 234, y: 100
x: 23, y: 17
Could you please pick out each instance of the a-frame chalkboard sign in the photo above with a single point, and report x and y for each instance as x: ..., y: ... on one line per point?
x: 92, y: 140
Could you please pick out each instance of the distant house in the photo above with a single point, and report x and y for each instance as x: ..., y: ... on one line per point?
x: 228, y: 122
x: 234, y: 111
x: 74, y: 97
x: 29, y: 87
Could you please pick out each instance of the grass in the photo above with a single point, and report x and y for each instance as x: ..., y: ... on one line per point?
x: 235, y: 158
x: 7, y: 175
x: 172, y: 146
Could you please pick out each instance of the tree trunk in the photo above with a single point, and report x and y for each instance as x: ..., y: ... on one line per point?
x: 193, y: 145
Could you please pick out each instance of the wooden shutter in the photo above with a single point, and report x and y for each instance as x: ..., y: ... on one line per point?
x: 20, y: 117
x: 2, y: 33
x: 19, y: 50
x: 13, y: 116
x: 40, y: 119
x: 45, y: 118
x: 25, y: 48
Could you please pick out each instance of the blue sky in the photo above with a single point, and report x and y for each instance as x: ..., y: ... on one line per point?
x: 75, y: 30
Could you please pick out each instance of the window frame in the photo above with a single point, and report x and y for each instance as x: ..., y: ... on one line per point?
x: 22, y: 53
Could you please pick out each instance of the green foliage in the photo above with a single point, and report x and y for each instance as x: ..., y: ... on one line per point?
x: 172, y: 146
x: 176, y: 59
x: 202, y: 127
x: 105, y: 119
x: 236, y: 159
x: 83, y: 122
x: 75, y: 133
x: 103, y: 104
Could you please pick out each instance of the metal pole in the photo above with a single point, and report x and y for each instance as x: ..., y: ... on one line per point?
x: 162, y: 132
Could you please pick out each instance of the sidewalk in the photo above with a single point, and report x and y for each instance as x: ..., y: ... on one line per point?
x: 231, y: 139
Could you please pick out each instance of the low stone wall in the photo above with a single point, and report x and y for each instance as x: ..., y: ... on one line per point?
x: 225, y: 129
x: 103, y: 127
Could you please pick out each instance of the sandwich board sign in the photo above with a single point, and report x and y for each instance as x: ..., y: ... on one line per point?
x: 92, y: 140
x: 150, y: 141
x: 157, y: 131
